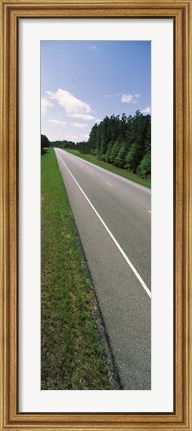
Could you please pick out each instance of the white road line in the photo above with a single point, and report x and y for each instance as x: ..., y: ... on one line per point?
x: 108, y: 184
x: 110, y: 234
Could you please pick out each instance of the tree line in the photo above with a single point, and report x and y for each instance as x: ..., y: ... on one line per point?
x: 45, y: 143
x: 122, y: 141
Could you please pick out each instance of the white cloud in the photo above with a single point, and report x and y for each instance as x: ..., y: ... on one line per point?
x: 69, y: 137
x: 86, y: 136
x: 76, y: 138
x: 129, y: 98
x: 146, y: 110
x: 85, y: 117
x: 62, y: 123
x: 94, y: 47
x: 80, y: 125
x: 111, y: 95
x: 45, y: 105
x: 70, y: 103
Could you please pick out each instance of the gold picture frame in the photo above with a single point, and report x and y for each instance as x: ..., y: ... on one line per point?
x: 180, y: 11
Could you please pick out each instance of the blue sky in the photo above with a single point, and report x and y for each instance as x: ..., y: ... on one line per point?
x: 83, y: 81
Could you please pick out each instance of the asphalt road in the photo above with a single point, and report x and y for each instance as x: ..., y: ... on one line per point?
x: 113, y: 218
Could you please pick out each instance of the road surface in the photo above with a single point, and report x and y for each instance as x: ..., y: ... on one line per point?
x: 113, y: 218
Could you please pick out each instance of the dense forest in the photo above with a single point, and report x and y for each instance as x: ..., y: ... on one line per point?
x: 122, y: 141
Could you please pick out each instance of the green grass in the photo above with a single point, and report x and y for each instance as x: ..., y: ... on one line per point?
x: 122, y: 172
x: 71, y: 355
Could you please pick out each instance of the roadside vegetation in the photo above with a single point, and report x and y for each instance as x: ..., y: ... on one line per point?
x: 72, y: 356
x: 120, y: 142
x: 124, y: 142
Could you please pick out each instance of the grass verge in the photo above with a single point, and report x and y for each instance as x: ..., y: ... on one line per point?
x: 122, y: 172
x: 71, y: 353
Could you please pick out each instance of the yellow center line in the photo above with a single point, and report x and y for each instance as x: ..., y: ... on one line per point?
x: 109, y: 184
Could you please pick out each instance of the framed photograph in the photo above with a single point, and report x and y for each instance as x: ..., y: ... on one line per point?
x: 95, y: 215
